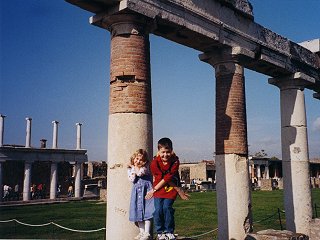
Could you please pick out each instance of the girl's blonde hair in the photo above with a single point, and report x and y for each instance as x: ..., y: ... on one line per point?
x: 144, y: 156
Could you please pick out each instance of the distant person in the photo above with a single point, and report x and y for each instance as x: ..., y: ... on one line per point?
x: 16, y: 192
x: 165, y: 168
x: 39, y: 190
x: 141, y: 210
x: 70, y: 191
x: 6, y: 193
x: 58, y: 190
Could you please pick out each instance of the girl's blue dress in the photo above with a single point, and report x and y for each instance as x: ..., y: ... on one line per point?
x: 140, y: 208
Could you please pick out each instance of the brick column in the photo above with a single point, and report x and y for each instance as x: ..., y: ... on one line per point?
x: 295, y: 156
x: 233, y: 187
x: 130, y: 116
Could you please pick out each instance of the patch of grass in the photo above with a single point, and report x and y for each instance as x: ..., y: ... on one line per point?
x: 84, y: 215
x: 193, y: 217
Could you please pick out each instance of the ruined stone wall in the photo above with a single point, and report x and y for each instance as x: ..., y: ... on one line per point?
x: 198, y: 171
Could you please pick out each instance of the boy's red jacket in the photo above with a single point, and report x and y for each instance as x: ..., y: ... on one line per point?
x: 166, y: 191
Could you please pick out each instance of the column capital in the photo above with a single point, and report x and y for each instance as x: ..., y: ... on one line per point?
x: 122, y: 24
x: 78, y: 124
x: 2, y: 116
x: 28, y: 118
x: 297, y: 80
x: 224, y: 55
x: 55, y: 122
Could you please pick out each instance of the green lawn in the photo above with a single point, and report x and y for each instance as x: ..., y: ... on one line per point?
x: 193, y: 217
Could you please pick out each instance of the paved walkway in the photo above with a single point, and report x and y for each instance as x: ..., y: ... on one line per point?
x: 38, y: 201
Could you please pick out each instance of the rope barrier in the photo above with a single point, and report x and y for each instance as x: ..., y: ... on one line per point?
x: 202, y: 234
x: 100, y: 229
x: 46, y: 224
x: 75, y: 230
x: 266, y: 218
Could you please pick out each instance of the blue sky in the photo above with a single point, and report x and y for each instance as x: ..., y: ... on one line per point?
x: 55, y: 66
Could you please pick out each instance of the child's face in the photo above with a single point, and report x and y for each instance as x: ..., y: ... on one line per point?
x: 165, y: 154
x: 138, y: 160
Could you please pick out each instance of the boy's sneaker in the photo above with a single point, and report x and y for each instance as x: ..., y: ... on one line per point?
x: 170, y: 236
x: 139, y: 236
x: 145, y: 236
x: 162, y: 236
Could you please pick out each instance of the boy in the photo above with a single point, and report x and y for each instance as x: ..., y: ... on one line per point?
x: 164, y: 168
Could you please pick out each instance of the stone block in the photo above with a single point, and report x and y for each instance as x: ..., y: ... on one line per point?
x: 271, y: 234
x: 266, y: 185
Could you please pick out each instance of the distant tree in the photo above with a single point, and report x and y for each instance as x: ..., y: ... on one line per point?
x: 274, y: 158
x: 261, y: 154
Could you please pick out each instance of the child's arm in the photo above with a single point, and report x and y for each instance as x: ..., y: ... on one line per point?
x: 131, y: 173
x: 183, y: 195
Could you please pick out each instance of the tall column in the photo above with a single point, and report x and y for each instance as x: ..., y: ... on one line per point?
x: 259, y: 175
x: 295, y: 156
x: 28, y: 133
x: 53, y: 180
x: 130, y: 115
x: 77, y: 182
x: 78, y: 135
x: 1, y: 129
x: 55, y: 135
x: 27, y: 181
x: 266, y: 172
x: 1, y: 187
x: 233, y: 187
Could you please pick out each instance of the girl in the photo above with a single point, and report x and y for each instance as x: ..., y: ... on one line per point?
x: 141, y: 209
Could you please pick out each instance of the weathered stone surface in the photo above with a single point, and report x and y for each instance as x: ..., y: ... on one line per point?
x: 271, y: 234
x: 315, y: 229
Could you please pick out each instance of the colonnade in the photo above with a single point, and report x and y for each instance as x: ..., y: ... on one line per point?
x: 130, y: 102
x: 54, y: 162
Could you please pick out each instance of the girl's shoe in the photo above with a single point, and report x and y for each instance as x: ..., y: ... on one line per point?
x: 139, y: 236
x: 145, y: 236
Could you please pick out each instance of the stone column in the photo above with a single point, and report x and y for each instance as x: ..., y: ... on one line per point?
x: 77, y: 181
x: 1, y: 129
x: 266, y: 172
x: 53, y: 180
x: 1, y: 187
x: 27, y: 181
x: 233, y: 187
x: 78, y: 136
x: 295, y: 156
x: 28, y: 133
x: 259, y: 175
x: 55, y: 135
x: 130, y: 115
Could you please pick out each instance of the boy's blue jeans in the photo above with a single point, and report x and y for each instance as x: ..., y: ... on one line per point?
x: 163, y: 216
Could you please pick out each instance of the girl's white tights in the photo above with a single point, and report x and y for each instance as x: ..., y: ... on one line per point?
x: 144, y: 226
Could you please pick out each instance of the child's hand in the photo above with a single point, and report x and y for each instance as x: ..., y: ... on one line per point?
x: 149, y: 195
x: 183, y: 194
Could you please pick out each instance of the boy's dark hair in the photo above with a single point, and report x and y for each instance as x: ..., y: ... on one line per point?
x: 165, y: 143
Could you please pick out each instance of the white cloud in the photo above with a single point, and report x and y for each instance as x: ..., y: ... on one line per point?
x: 316, y: 124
